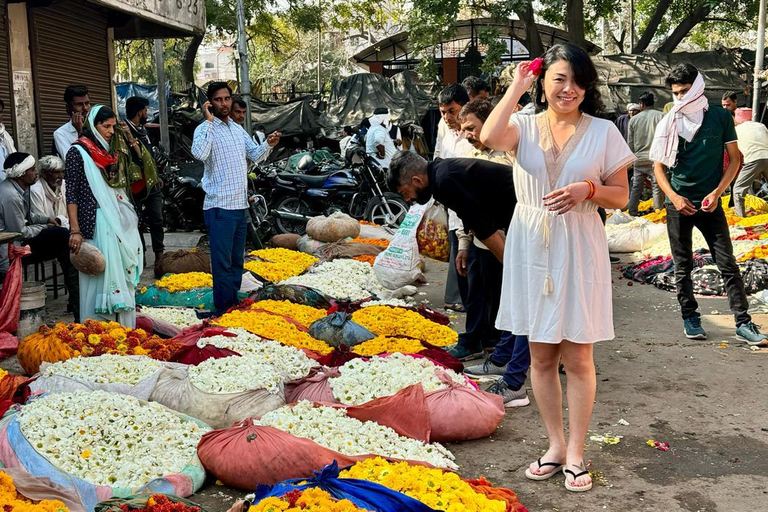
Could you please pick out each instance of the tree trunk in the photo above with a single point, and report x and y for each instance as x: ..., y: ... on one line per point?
x: 532, y: 36
x: 684, y: 28
x: 653, y: 25
x: 190, y: 55
x: 575, y: 22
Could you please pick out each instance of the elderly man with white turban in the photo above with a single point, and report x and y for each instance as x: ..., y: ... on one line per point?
x: 44, y: 235
x: 48, y: 195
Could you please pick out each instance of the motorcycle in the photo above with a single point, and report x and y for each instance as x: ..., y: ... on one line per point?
x: 359, y: 191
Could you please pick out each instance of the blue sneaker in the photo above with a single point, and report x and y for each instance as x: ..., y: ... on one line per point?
x: 463, y: 353
x: 693, y: 329
x: 751, y: 334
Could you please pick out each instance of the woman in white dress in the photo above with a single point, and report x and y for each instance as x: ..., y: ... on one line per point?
x: 557, y: 277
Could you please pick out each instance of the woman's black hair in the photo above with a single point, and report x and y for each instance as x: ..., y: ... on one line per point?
x: 103, y: 114
x: 584, y: 73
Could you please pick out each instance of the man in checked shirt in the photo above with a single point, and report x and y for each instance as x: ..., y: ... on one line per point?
x: 223, y: 146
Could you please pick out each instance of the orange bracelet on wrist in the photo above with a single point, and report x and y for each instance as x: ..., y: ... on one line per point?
x: 592, y: 189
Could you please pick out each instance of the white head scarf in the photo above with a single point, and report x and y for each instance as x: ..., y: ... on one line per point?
x: 92, y: 122
x: 683, y: 120
x: 18, y: 170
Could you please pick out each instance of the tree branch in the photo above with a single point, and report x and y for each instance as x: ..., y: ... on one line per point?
x: 729, y: 20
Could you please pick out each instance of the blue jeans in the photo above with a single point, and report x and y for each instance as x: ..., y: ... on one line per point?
x: 226, y: 230
x: 514, y: 352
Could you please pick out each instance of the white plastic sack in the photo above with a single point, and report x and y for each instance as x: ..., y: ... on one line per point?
x: 398, y: 264
x: 634, y: 236
x: 619, y: 217
x: 61, y: 384
x: 381, y: 232
x: 175, y: 391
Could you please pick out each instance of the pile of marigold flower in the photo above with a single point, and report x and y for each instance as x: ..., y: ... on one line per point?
x: 278, y: 264
x: 388, y: 345
x: 757, y: 252
x: 387, y: 321
x: 440, y: 490
x: 92, y: 338
x: 308, y: 500
x: 12, y: 501
x: 273, y: 327
x: 183, y: 282
x: 305, y: 315
x: 160, y: 503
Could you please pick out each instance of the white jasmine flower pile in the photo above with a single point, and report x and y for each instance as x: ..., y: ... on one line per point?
x: 290, y: 362
x: 362, y: 381
x: 178, y: 317
x: 395, y: 303
x: 332, y: 428
x: 109, y: 439
x: 341, y: 279
x: 235, y: 374
x: 105, y: 369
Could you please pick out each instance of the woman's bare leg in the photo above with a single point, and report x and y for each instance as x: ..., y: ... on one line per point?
x: 545, y: 358
x: 581, y: 385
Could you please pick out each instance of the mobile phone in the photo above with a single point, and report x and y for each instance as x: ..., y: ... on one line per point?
x: 247, y: 505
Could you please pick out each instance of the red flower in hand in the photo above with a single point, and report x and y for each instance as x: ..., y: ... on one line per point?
x: 536, y: 66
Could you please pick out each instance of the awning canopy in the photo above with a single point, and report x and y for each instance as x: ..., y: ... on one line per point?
x: 397, y: 47
x: 148, y: 19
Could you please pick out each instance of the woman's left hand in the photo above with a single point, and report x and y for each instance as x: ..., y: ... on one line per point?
x: 565, y: 199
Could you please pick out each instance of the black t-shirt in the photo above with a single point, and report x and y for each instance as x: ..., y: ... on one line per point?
x: 481, y: 193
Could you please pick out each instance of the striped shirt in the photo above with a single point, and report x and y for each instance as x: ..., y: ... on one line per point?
x: 223, y: 148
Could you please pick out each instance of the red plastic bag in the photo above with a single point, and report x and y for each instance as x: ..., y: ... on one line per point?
x: 459, y: 413
x: 194, y: 355
x: 162, y: 329
x: 10, y: 295
x: 191, y: 335
x: 314, y: 387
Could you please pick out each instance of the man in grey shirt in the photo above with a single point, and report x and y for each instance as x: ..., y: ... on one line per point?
x: 639, y: 137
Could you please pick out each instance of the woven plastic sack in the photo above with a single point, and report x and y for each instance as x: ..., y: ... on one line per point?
x: 309, y: 245
x: 194, y: 355
x: 17, y: 452
x: 139, y: 501
x: 181, y: 262
x: 89, y: 260
x: 61, y: 384
x: 38, y: 488
x: 10, y: 294
x: 9, y: 384
x: 201, y: 298
x: 286, y: 241
x: 162, y: 329
x: 398, y: 264
x: 432, y: 235
x: 9, y: 344
x: 634, y: 236
x: 364, y: 494
x: 338, y: 329
x: 333, y: 228
x: 314, y: 387
x: 246, y: 455
x: 175, y: 391
x: 293, y: 293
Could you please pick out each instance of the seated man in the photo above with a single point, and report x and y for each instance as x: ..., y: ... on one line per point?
x: 48, y: 193
x: 44, y: 235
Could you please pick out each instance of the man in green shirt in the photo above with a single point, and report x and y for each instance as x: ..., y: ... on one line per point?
x: 688, y: 145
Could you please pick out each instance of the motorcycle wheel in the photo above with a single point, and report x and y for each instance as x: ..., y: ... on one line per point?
x: 294, y: 205
x: 377, y: 213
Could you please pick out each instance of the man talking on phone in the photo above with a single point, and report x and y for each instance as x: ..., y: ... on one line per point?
x: 223, y: 146
x: 78, y: 106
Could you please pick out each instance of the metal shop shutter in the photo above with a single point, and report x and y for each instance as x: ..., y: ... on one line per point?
x: 68, y: 40
x: 6, y: 91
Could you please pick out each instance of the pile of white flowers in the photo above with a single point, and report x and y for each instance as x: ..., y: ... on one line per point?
x: 178, y: 317
x: 235, y: 374
x: 109, y: 439
x: 362, y: 381
x: 395, y: 303
x: 290, y: 362
x: 105, y: 369
x: 341, y: 279
x: 332, y: 428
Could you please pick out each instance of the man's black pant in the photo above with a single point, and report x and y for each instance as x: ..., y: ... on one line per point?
x: 150, y: 211
x: 714, y: 227
x: 484, y: 276
x: 53, y: 243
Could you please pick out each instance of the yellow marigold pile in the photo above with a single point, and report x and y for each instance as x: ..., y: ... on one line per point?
x: 658, y: 216
x: 305, y: 315
x: 186, y: 281
x: 308, y: 500
x: 387, y: 345
x: 389, y: 321
x: 273, y: 327
x: 366, y: 258
x: 757, y: 220
x: 91, y: 338
x: 278, y: 264
x: 435, y: 488
x: 3, y: 373
x: 757, y: 252
x: 11, y: 500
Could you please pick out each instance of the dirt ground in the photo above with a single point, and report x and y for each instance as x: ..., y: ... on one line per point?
x: 706, y: 399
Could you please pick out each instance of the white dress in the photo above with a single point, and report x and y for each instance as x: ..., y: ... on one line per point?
x: 557, y: 276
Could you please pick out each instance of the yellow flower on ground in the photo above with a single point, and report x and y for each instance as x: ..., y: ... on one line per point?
x: 441, y: 490
x: 11, y: 500
x: 186, y: 281
x: 273, y: 327
x: 305, y: 315
x: 278, y: 264
x: 308, y: 500
x: 389, y: 321
x: 388, y: 345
